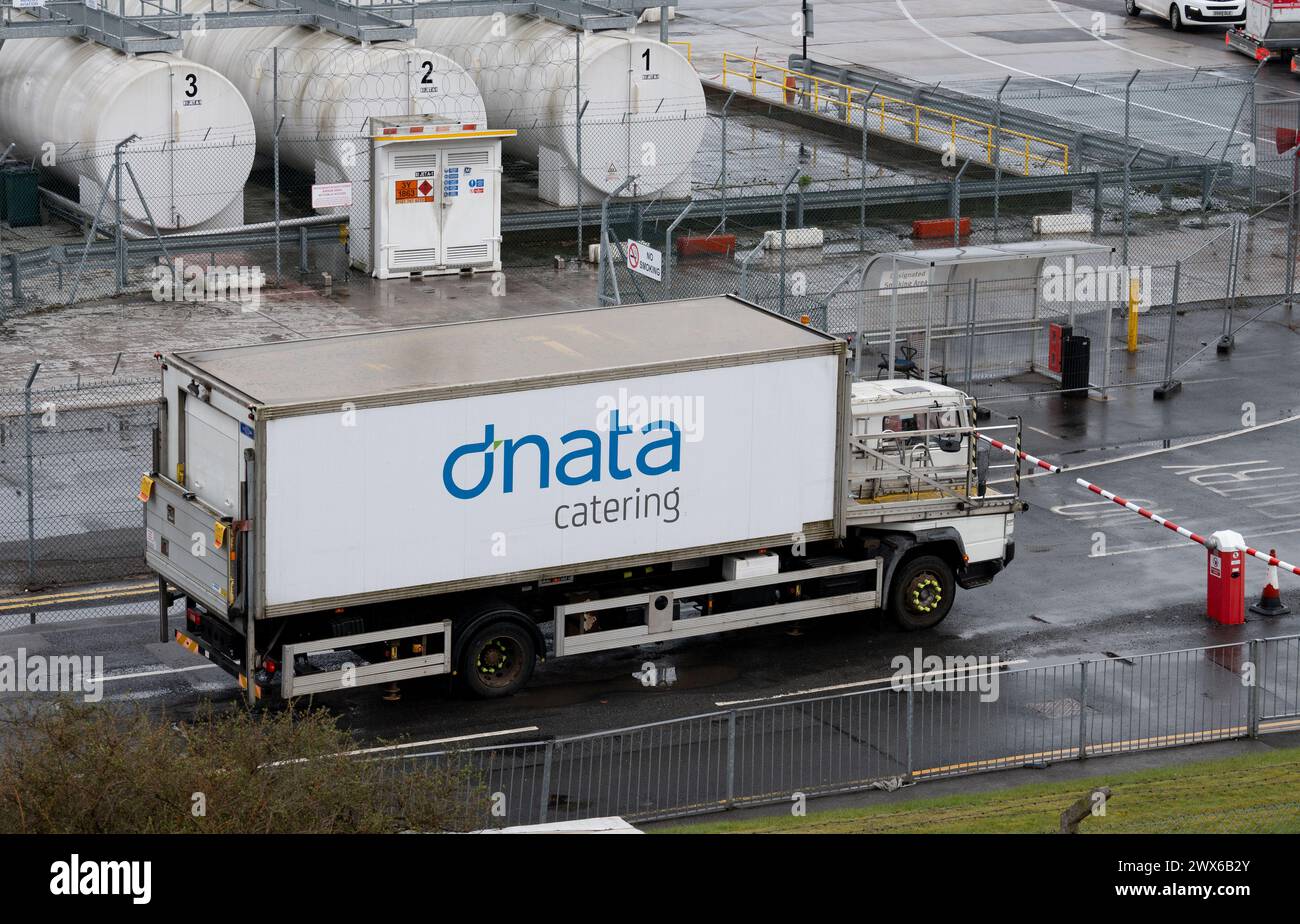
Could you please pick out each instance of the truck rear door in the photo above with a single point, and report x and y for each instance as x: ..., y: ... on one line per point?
x: 210, y: 454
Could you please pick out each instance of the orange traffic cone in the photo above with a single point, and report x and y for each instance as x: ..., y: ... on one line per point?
x: 1270, y: 598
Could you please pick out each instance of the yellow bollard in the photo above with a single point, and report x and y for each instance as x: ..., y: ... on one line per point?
x: 1134, y: 299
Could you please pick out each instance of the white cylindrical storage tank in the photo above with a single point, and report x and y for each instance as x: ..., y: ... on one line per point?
x: 328, y: 86
x: 645, y: 105
x: 66, y: 103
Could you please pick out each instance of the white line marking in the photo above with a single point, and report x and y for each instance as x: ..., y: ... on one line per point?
x: 970, y: 54
x: 1183, y: 545
x: 1116, y: 45
x: 1044, y: 432
x: 861, y: 683
x: 160, y: 671
x: 414, y: 744
x: 1155, y: 452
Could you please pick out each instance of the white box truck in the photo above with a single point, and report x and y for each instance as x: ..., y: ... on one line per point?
x: 464, y: 499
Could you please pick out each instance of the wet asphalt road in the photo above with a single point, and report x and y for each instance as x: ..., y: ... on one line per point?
x: 1089, y: 578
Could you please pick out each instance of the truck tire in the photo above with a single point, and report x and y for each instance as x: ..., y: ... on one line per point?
x: 498, y: 660
x: 922, y: 592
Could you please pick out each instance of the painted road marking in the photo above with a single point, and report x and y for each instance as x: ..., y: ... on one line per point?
x: 1155, y: 452
x: 154, y: 673
x: 1183, y: 545
x: 970, y: 54
x: 72, y: 597
x: 925, y: 675
x: 478, y: 736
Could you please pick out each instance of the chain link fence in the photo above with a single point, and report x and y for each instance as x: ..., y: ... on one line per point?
x: 71, y: 457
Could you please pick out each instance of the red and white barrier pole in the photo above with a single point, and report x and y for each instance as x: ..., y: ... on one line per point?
x: 1272, y: 560
x: 1142, y: 511
x: 998, y: 444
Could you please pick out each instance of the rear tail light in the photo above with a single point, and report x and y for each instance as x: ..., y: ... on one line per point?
x: 193, y: 616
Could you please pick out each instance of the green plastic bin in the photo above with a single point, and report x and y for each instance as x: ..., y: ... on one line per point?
x: 20, y: 203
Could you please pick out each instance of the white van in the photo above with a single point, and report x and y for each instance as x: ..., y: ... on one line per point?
x: 1183, y: 13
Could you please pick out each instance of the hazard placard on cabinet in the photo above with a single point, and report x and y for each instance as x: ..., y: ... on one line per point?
x: 413, y: 191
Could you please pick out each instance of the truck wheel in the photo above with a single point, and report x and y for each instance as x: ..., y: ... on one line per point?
x: 922, y: 592
x: 498, y: 660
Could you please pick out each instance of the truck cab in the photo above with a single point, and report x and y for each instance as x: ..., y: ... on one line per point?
x: 912, y: 434
x: 917, y: 477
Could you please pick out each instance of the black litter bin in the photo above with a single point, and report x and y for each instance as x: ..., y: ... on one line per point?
x: 1075, y: 357
x: 20, y: 203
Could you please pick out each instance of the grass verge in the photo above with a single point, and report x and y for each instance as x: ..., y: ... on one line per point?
x: 1252, y: 794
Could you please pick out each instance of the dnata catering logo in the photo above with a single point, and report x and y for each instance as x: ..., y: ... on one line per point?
x: 583, y: 457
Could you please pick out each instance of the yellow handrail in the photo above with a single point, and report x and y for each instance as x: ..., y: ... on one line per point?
x: 1030, y: 150
x: 688, y: 49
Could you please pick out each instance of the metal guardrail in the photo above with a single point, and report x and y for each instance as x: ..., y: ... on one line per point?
x: 895, y: 194
x: 924, y: 123
x: 1091, y: 146
x: 687, y: 46
x: 923, y: 726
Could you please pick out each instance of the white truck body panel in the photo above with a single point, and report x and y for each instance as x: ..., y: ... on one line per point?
x: 360, y: 505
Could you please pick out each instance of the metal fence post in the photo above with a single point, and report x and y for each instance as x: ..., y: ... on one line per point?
x: 731, y: 759
x: 1226, y: 340
x: 668, y: 248
x: 970, y: 333
x: 1254, y: 135
x: 1128, y: 167
x: 547, y: 758
x: 1170, y: 386
x: 722, y: 226
x: 784, y: 193
x: 862, y: 192
x: 15, y: 281
x: 31, y: 479
x: 1096, y: 203
x: 860, y: 334
x: 1291, y: 227
x: 1252, y: 694
x: 577, y: 128
x: 606, y: 272
x: 1105, y: 356
x: 997, y: 158
x: 119, y: 239
x: 910, y: 726
x: 1083, y: 709
x: 275, y: 158
x: 955, y: 204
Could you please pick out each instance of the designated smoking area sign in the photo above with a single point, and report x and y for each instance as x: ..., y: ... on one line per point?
x: 331, y: 195
x: 644, y: 259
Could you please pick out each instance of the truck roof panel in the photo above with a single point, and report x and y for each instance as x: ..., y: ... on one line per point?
x: 478, y: 354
